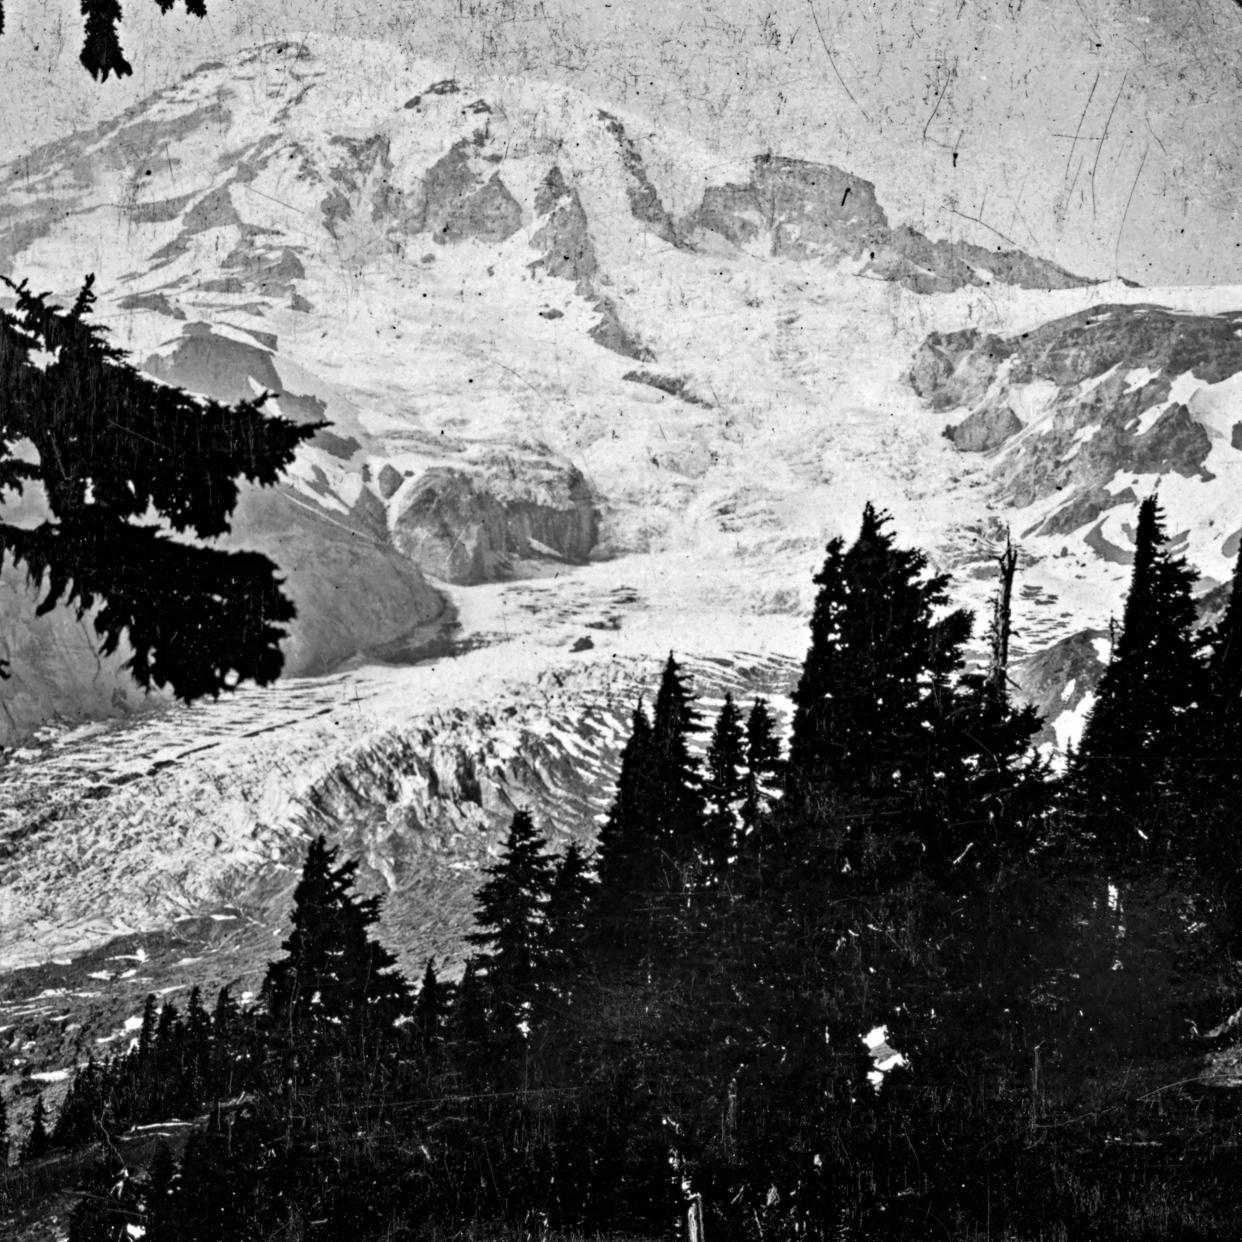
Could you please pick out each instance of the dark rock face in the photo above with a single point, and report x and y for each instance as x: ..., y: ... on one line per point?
x: 953, y: 369
x: 565, y: 235
x: 802, y: 210
x: 644, y: 200
x: 460, y: 531
x: 389, y: 480
x: 217, y: 366
x: 1072, y: 664
x: 1108, y: 374
x: 985, y: 429
x: 456, y: 203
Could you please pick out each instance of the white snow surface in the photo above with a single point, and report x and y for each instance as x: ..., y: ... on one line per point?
x: 713, y: 517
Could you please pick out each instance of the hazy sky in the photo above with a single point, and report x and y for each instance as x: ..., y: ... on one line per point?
x: 1104, y: 134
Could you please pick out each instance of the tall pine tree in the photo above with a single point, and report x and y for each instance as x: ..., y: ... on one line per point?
x: 628, y: 847
x: 861, y: 705
x: 724, y: 786
x: 335, y: 982
x: 38, y: 1142
x: 511, y: 922
x: 1126, y: 767
x: 676, y: 807
x: 763, y: 763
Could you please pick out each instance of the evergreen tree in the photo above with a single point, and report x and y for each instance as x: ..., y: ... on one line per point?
x: 5, y: 1141
x: 512, y: 928
x: 469, y: 1028
x: 676, y: 799
x: 1136, y: 733
x: 335, y: 982
x: 225, y: 1050
x: 161, y: 1179
x: 763, y: 762
x: 430, y: 1011
x: 566, y: 915
x: 862, y: 704
x: 38, y: 1143
x: 112, y: 446
x: 146, y: 1032
x: 83, y: 1110
x: 724, y: 785
x: 101, y: 53
x: 628, y: 847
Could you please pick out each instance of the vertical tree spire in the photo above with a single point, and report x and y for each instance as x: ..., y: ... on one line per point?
x: 1001, y: 627
x: 1138, y: 724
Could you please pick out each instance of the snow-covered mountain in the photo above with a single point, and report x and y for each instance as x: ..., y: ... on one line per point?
x: 594, y: 391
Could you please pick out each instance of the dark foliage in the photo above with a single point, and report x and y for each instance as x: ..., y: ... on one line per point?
x: 692, y: 1031
x: 112, y: 447
x: 335, y: 985
x: 1143, y: 724
x: 37, y: 1142
x: 101, y: 50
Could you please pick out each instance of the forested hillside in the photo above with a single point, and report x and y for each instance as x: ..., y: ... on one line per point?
x: 695, y: 1025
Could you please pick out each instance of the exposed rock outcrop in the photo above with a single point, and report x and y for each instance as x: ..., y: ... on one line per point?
x: 987, y: 428
x: 1082, y: 402
x: 460, y: 530
x: 798, y: 209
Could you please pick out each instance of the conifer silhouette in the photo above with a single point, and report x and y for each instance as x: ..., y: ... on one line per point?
x: 101, y: 49
x: 763, y: 762
x: 628, y: 844
x: 724, y: 786
x: 510, y: 915
x: 569, y: 900
x: 38, y: 1142
x: 113, y: 446
x: 676, y: 803
x: 861, y: 705
x: 430, y: 1011
x: 335, y: 981
x: 1137, y: 727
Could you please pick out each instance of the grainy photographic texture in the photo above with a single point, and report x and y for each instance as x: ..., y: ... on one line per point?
x: 619, y: 620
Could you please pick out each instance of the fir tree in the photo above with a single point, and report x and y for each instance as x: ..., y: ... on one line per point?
x: 112, y: 447
x: 5, y: 1141
x: 861, y: 705
x: 83, y: 1110
x: 628, y: 846
x: 146, y: 1032
x: 1136, y: 730
x: 161, y: 1177
x: 512, y: 928
x: 763, y: 762
x: 225, y: 1038
x: 566, y: 916
x: 38, y: 1143
x: 469, y: 1028
x: 724, y: 785
x: 676, y: 799
x: 101, y: 53
x: 430, y: 1011
x: 335, y: 981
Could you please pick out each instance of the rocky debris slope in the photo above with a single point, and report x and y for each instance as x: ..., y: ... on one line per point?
x: 1081, y: 417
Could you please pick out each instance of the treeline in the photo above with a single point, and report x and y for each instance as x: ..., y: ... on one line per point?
x: 675, y: 1019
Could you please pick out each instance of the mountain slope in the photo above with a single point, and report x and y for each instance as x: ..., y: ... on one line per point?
x: 593, y: 391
